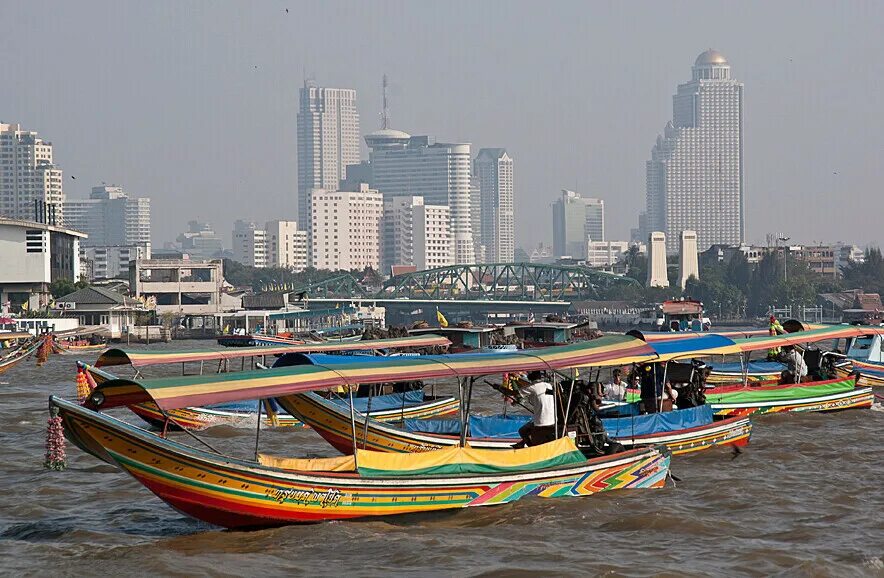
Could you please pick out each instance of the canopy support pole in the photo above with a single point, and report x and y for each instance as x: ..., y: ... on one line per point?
x: 258, y: 429
x: 367, y: 414
x: 353, y: 424
x: 570, y: 395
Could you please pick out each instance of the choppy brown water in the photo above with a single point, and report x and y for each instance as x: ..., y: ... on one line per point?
x: 805, y: 498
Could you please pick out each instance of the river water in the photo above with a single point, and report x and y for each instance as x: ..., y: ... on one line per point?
x: 806, y: 497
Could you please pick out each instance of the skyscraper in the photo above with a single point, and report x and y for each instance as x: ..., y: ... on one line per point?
x: 328, y: 141
x: 28, y: 175
x: 695, y: 175
x: 249, y: 244
x: 577, y: 221
x: 415, y: 234
x: 494, y: 168
x: 405, y: 165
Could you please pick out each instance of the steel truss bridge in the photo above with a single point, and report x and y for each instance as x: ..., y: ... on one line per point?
x: 488, y: 282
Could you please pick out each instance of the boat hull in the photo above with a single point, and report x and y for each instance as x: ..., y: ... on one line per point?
x: 14, y: 359
x: 333, y: 425
x: 238, y: 494
x: 826, y: 396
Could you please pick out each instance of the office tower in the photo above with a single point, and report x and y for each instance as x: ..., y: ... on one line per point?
x: 111, y: 217
x: 695, y: 175
x: 657, y: 270
x: 688, y: 264
x: 249, y: 244
x: 286, y: 245
x: 30, y: 185
x: 476, y: 220
x: 328, y: 141
x: 415, y: 234
x: 494, y: 168
x: 576, y: 221
x: 346, y: 229
x: 403, y: 166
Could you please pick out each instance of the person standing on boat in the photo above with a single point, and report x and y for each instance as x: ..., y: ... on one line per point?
x: 540, y: 396
x: 775, y: 329
x: 797, y: 367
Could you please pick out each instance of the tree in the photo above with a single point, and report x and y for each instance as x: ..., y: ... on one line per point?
x: 62, y: 287
x: 868, y: 275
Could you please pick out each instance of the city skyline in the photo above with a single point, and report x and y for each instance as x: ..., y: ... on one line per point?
x: 809, y: 144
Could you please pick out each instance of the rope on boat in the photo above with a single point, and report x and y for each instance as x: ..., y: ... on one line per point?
x: 56, y: 458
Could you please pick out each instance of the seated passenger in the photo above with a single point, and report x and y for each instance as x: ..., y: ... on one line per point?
x: 796, y: 368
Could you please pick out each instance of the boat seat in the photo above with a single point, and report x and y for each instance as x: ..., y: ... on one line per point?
x: 336, y: 464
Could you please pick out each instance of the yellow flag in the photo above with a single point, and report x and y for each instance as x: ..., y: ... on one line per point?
x: 442, y: 321
x: 25, y: 306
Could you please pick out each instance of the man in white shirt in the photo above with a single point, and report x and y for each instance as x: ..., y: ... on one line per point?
x: 616, y: 390
x: 540, y: 396
x: 797, y: 367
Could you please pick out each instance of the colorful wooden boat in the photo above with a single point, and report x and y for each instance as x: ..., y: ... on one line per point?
x: 19, y: 354
x: 820, y: 396
x: 393, y: 407
x: 223, y: 357
x: 278, y: 490
x: 234, y: 493
x: 333, y: 424
x: 755, y: 372
x: 867, y: 373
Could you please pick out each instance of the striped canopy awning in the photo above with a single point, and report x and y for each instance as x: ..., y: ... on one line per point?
x: 145, y: 358
x: 176, y: 392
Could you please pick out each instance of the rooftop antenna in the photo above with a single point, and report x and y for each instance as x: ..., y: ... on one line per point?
x: 385, y: 113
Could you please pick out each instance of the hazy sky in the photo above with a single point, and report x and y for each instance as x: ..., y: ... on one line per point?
x: 165, y: 98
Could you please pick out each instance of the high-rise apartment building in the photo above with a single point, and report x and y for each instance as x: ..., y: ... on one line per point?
x: 695, y: 175
x: 328, y: 141
x: 249, y: 244
x: 28, y: 176
x: 494, y: 169
x: 346, y: 228
x: 403, y: 166
x: 415, y: 234
x: 286, y: 245
x: 111, y: 218
x: 576, y: 222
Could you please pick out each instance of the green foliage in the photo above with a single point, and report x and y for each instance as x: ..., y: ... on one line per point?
x: 868, y: 276
x: 62, y: 287
x: 243, y: 276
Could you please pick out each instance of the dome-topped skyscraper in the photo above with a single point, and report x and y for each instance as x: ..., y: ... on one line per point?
x: 711, y: 65
x: 695, y: 175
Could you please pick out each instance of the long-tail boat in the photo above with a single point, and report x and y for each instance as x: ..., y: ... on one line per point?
x: 277, y: 490
x: 681, y: 431
x: 864, y: 358
x: 410, y: 405
x: 17, y: 353
x: 821, y: 395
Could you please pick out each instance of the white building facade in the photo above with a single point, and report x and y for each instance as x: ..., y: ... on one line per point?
x: 328, y: 141
x: 608, y: 253
x: 33, y: 255
x: 346, y: 229
x: 404, y: 166
x: 695, y: 175
x: 416, y: 234
x: 249, y: 244
x: 27, y: 174
x: 494, y: 169
x: 286, y: 245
